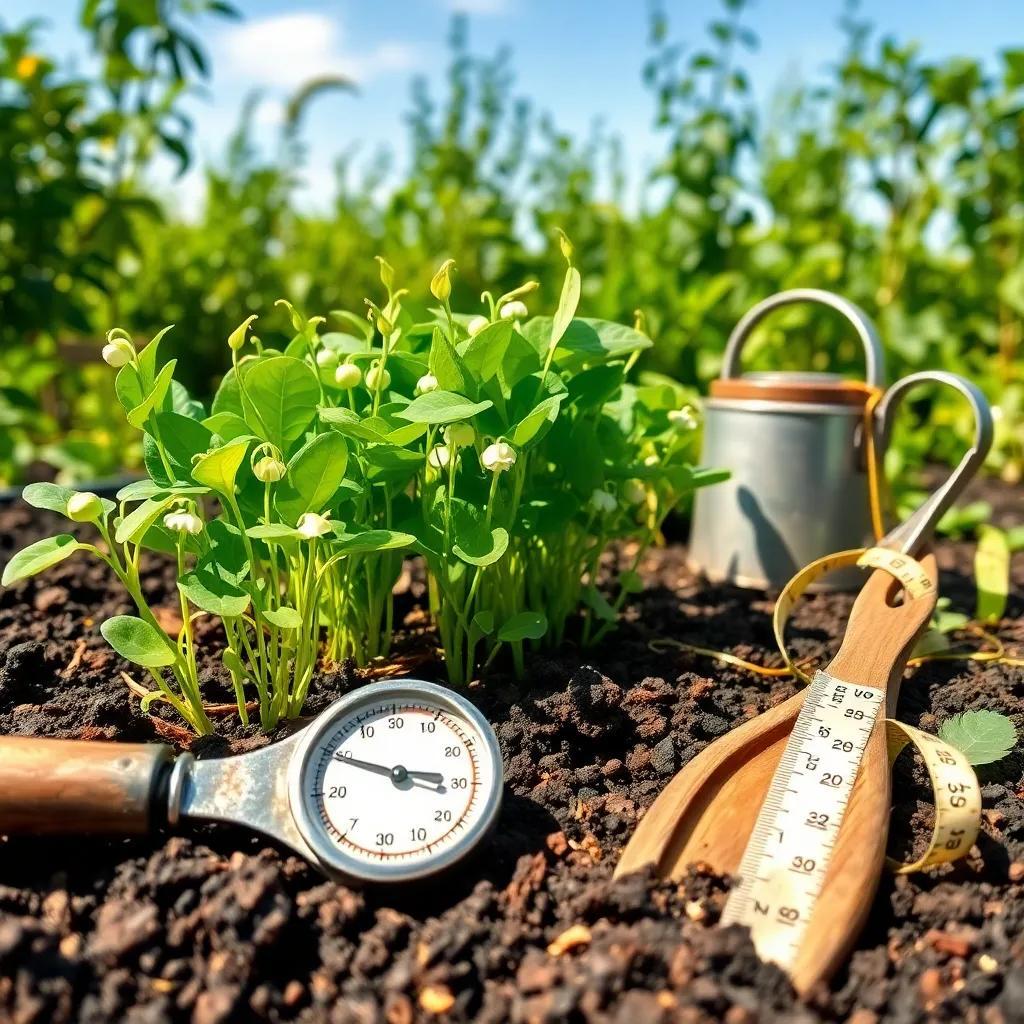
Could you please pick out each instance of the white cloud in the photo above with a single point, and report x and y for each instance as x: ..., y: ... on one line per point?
x: 289, y: 49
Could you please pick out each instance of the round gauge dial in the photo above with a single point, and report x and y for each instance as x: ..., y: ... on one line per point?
x: 396, y: 781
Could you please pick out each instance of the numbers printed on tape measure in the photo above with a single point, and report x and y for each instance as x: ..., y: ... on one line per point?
x: 786, y: 860
x: 957, y: 796
x: 906, y: 569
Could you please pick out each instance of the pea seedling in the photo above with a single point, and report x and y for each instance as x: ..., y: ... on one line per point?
x: 508, y: 450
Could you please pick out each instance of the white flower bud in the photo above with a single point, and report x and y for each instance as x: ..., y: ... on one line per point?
x: 684, y: 419
x: 428, y: 382
x: 313, y: 525
x: 459, y: 435
x: 439, y: 456
x: 118, y: 352
x: 347, y: 376
x: 498, y: 457
x: 376, y: 375
x: 514, y: 310
x: 602, y: 501
x: 652, y: 460
x: 84, y: 507
x: 269, y: 470
x: 183, y: 521
x: 326, y: 359
x: 476, y: 325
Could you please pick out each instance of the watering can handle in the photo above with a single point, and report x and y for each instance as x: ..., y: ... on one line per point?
x: 874, y: 359
x: 911, y: 534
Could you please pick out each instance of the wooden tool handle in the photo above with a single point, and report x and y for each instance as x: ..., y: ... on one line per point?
x: 74, y: 786
x: 881, y: 634
x: 708, y: 811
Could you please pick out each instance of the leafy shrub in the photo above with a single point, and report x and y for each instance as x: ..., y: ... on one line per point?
x: 742, y: 198
x: 508, y: 450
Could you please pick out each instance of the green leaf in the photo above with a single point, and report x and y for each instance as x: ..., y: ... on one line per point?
x: 992, y: 573
x: 138, y: 642
x: 141, y: 518
x: 598, y: 604
x: 273, y: 532
x: 483, y: 623
x: 282, y: 395
x: 214, y: 590
x: 219, y: 468
x: 441, y: 407
x: 389, y: 462
x: 131, y: 385
x: 526, y: 429
x: 484, y: 353
x: 586, y: 341
x: 227, y: 426
x: 406, y: 434
x: 595, y: 386
x: 40, y: 556
x: 283, y: 617
x: 182, y: 437
x: 184, y: 404
x: 351, y: 424
x: 154, y: 399
x: 447, y: 365
x: 524, y: 626
x: 983, y: 736
x: 370, y: 541
x: 228, y: 398
x: 49, y: 496
x: 314, y: 475
x: 934, y: 641
x: 140, y: 490
x: 1015, y: 538
x: 521, y: 359
x: 480, y: 546
x: 568, y: 302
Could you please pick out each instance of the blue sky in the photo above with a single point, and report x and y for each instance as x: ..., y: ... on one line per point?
x: 579, y: 59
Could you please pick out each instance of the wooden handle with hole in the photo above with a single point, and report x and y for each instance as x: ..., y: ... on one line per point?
x: 708, y: 811
x: 52, y: 787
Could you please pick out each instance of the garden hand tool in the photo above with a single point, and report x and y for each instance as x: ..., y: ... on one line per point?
x: 797, y: 800
x: 393, y: 782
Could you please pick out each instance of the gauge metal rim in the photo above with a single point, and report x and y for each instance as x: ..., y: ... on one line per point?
x: 334, y: 859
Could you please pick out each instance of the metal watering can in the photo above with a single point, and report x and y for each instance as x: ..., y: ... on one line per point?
x: 795, y: 444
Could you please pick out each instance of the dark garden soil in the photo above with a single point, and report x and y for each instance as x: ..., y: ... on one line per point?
x: 221, y: 925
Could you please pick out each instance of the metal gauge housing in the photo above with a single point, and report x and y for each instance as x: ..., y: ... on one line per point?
x: 395, y: 781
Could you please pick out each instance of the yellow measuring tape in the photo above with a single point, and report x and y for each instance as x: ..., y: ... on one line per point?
x: 954, y: 784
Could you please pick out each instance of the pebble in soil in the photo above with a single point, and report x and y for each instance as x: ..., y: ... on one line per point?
x: 220, y: 925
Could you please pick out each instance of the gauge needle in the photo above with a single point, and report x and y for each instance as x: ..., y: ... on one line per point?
x: 397, y: 774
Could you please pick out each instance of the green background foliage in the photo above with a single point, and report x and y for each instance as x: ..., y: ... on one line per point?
x: 739, y: 204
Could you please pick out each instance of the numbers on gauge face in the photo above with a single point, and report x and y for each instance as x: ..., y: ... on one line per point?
x: 399, y: 780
